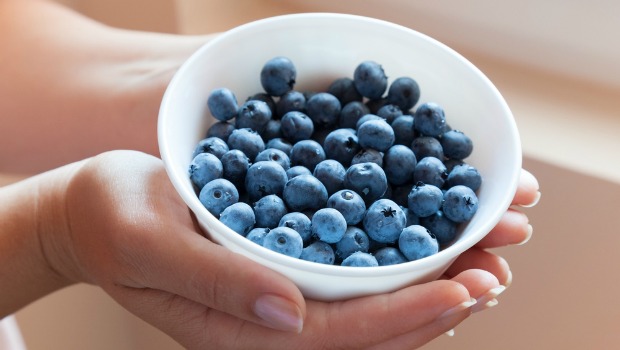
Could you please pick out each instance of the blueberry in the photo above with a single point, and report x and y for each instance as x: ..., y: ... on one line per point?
x: 281, y: 144
x: 367, y: 179
x: 400, y: 193
x: 376, y: 134
x: 261, y: 96
x: 253, y: 114
x: 257, y: 235
x: 389, y: 256
x: 430, y: 119
x: 443, y: 228
x: 424, y: 200
x: 331, y: 173
x: 278, y: 76
x: 272, y: 130
x: 239, y: 217
x: 297, y: 170
x: 404, y: 131
x: 349, y: 204
x: 431, y: 171
x: 235, y: 166
x: 390, y: 112
x: 304, y: 192
x: 221, y: 130
x: 404, y: 92
x: 427, y: 146
x: 460, y: 203
x: 319, y: 252
x: 384, y: 221
x: 399, y: 162
x: 324, y: 109
x: 328, y: 225
x: 285, y: 241
x: 365, y: 118
x: 222, y: 104
x: 341, y: 145
x: 360, y: 259
x: 374, y: 105
x: 368, y: 156
x: 274, y: 155
x: 265, y: 178
x: 247, y: 141
x: 351, y: 114
x: 344, y: 90
x: 412, y: 219
x: 456, y: 144
x: 370, y: 79
x: 416, y: 242
x: 465, y: 175
x: 269, y: 210
x: 297, y: 126
x: 308, y: 153
x: 213, y: 145
x: 290, y: 101
x: 217, y: 195
x: 354, y: 240
x: 299, y: 222
x: 204, y: 168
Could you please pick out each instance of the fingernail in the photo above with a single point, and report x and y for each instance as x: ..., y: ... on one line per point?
x: 530, y: 231
x: 450, y: 333
x: 458, y: 308
x: 508, y: 279
x: 534, y: 202
x: 279, y: 313
x: 488, y: 300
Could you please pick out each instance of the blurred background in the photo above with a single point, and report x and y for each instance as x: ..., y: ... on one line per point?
x: 557, y: 63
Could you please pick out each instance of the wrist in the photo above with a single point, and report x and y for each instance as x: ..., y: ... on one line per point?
x: 34, y: 251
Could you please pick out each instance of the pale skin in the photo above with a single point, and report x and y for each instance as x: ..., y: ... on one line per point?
x: 114, y: 220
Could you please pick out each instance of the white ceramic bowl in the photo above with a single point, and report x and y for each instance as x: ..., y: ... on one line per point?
x: 324, y: 47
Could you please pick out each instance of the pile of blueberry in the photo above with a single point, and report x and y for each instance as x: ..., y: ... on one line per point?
x: 351, y: 176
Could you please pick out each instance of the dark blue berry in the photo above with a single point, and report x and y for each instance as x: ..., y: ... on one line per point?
x: 331, y: 173
x: 247, y: 141
x: 456, y: 145
x: 399, y: 162
x: 370, y: 79
x: 404, y: 92
x: 319, y: 252
x: 297, y: 126
x: 265, y: 178
x: 367, y: 179
x: 278, y: 76
x: 430, y: 119
x: 376, y: 134
x: 304, y: 192
x: 344, y: 90
x: 308, y: 153
x: 417, y: 242
x: 425, y: 200
x: 328, y: 225
x: 384, y: 221
x: 284, y: 240
x: 204, y: 168
x: 253, y: 114
x: 239, y: 217
x: 213, y: 145
x: 460, y: 203
x: 324, y: 109
x: 222, y: 104
x: 217, y: 195
x: 360, y: 259
x: 269, y: 210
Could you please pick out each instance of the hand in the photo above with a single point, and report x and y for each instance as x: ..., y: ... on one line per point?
x: 131, y: 234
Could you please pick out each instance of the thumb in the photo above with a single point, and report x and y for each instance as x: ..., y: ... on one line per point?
x: 192, y: 267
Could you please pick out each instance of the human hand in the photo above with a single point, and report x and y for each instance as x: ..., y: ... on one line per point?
x: 131, y: 234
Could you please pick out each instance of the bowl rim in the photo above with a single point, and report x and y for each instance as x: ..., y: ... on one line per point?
x: 450, y: 252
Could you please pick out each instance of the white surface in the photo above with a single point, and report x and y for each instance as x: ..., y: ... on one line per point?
x: 10, y: 336
x: 472, y: 105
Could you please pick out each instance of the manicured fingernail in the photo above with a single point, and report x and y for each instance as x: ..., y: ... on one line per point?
x: 530, y: 231
x: 458, y: 308
x: 508, y: 279
x: 488, y: 300
x: 534, y: 202
x: 450, y: 333
x: 279, y: 313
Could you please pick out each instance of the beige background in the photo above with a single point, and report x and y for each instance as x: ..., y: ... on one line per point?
x: 562, y: 80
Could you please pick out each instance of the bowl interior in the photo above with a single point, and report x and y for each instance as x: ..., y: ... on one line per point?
x: 324, y: 47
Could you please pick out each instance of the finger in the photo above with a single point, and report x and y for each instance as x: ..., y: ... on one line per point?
x: 372, y: 320
x: 513, y: 228
x: 481, y: 285
x: 528, y: 190
x: 377, y: 319
x: 481, y: 260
